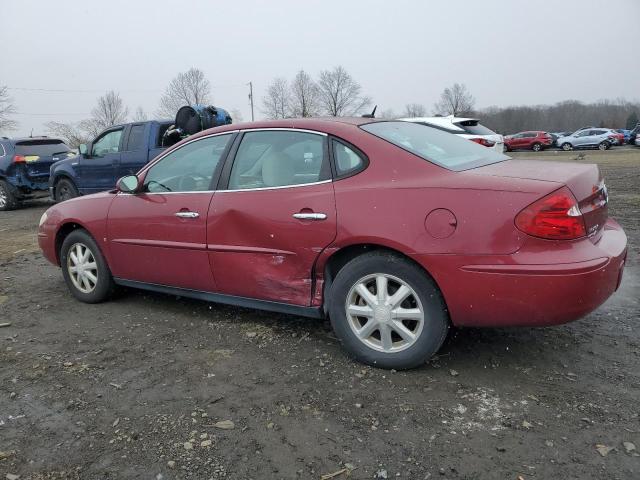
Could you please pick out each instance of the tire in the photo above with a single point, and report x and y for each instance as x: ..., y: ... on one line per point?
x: 8, y: 200
x: 604, y: 145
x: 65, y: 190
x: 506, y: 148
x: 373, y: 347
x: 536, y: 147
x: 567, y: 147
x: 74, y: 246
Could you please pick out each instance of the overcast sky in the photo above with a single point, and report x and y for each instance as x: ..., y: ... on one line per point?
x: 506, y: 51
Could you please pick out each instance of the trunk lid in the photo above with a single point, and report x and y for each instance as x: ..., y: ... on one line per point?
x: 39, y: 154
x: 583, y: 179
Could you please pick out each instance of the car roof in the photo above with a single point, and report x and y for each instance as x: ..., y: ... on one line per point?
x: 322, y: 124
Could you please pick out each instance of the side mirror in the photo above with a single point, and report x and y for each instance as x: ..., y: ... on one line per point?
x: 128, y: 184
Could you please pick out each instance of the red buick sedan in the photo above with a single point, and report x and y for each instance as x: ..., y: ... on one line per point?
x: 393, y: 230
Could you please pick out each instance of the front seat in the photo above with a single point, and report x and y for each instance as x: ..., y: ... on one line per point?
x: 277, y: 170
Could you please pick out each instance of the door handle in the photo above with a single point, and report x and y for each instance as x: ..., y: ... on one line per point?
x: 310, y: 216
x: 187, y: 214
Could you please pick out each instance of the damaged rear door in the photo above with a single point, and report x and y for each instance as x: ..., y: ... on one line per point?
x: 273, y: 213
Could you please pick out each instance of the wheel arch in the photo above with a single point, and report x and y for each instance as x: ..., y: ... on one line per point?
x: 339, y: 258
x: 63, y: 232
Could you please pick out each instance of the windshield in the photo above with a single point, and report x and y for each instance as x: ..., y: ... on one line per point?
x: 444, y: 149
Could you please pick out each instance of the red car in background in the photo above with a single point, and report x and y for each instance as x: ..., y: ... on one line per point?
x: 534, y: 140
x: 393, y: 230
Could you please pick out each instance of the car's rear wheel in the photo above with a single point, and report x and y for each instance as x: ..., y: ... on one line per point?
x: 8, y: 201
x: 387, y: 312
x: 604, y: 145
x: 84, y: 268
x: 567, y: 146
x: 536, y: 147
x: 65, y: 190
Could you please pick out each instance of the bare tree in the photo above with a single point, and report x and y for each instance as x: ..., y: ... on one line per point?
x: 277, y: 102
x: 388, y: 114
x: 109, y: 111
x: 188, y: 88
x: 71, y: 133
x: 412, y: 110
x: 6, y: 110
x: 305, y: 96
x: 340, y: 94
x: 140, y: 115
x: 455, y: 100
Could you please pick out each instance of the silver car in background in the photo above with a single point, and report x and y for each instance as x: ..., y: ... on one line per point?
x: 600, y: 138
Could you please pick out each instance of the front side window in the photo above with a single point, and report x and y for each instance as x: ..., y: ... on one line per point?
x: 108, y: 143
x: 274, y: 158
x: 189, y: 168
x: 449, y: 151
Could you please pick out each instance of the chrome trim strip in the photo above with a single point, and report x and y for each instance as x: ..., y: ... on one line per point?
x: 275, y: 188
x: 290, y: 129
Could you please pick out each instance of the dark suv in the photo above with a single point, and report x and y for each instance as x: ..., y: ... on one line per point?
x: 24, y: 167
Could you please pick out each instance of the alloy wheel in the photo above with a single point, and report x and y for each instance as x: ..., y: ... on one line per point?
x: 82, y: 268
x: 385, y: 313
x: 3, y: 198
x: 567, y: 146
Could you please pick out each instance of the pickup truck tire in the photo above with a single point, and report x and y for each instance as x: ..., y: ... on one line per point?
x: 65, y: 190
x: 8, y: 200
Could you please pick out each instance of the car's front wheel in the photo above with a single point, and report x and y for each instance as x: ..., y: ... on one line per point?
x: 65, y: 190
x: 604, y: 145
x: 567, y: 146
x: 85, y: 269
x: 387, y: 312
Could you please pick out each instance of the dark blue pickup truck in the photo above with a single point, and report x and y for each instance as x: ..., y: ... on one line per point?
x: 118, y: 151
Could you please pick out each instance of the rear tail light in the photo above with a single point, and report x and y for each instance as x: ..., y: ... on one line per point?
x: 19, y: 159
x: 555, y: 217
x: 483, y: 141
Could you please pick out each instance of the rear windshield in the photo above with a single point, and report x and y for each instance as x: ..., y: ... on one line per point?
x: 472, y: 127
x: 42, y: 148
x: 444, y: 149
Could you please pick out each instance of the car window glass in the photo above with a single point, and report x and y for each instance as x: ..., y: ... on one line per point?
x: 189, y: 168
x: 278, y: 158
x: 136, y: 138
x: 42, y: 148
x: 346, y: 159
x: 108, y: 143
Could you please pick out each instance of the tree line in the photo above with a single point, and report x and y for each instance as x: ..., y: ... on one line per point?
x: 334, y: 92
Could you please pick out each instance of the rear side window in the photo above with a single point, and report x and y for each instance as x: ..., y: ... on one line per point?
x: 136, y: 138
x: 41, y: 148
x: 268, y: 159
x: 347, y: 160
x: 449, y: 151
x: 473, y: 127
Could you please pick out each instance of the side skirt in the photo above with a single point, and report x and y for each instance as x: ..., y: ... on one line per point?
x: 311, y: 312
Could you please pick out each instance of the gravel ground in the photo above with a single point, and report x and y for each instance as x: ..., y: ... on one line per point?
x: 157, y: 387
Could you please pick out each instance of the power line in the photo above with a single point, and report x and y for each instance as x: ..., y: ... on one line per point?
x: 64, y: 90
x: 47, y: 114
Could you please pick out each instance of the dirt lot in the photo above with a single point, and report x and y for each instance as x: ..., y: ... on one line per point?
x: 135, y: 388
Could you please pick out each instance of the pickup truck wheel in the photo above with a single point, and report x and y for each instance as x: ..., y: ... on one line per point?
x: 85, y: 269
x: 65, y: 190
x: 8, y: 200
x: 387, y: 312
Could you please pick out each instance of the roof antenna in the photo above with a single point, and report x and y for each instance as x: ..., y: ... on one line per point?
x: 372, y: 114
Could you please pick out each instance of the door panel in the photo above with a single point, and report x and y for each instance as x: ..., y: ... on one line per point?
x: 149, y: 243
x: 259, y: 250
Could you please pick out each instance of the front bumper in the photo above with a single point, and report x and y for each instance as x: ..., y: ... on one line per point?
x: 522, y: 290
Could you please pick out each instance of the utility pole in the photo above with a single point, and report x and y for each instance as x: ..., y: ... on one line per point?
x: 251, y: 99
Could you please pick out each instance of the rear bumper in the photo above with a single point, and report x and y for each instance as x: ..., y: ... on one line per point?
x: 521, y: 290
